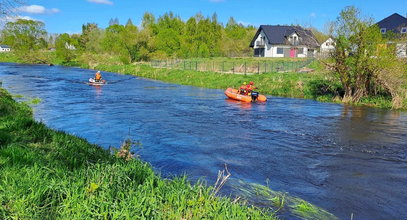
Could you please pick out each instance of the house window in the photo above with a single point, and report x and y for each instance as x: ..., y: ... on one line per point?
x: 300, y: 50
x: 280, y: 50
x: 404, y: 30
x: 383, y: 30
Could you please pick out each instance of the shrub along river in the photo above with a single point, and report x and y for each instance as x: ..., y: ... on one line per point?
x: 341, y: 158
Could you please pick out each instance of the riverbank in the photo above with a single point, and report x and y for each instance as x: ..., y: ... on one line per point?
x: 318, y: 85
x: 48, y: 174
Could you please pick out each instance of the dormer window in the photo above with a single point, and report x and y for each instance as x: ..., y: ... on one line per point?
x: 403, y: 30
x: 383, y: 30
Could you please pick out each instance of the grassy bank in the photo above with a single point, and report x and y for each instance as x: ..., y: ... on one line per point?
x: 47, y: 174
x: 279, y: 84
x: 318, y: 85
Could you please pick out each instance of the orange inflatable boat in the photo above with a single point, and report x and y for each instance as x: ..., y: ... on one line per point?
x: 232, y: 93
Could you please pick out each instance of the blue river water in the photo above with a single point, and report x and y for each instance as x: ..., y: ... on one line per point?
x: 347, y: 160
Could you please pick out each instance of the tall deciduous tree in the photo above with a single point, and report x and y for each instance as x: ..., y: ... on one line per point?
x: 365, y: 62
x: 91, y: 38
x: 357, y: 40
x: 25, y: 35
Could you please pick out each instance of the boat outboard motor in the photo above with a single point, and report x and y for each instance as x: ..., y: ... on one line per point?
x: 255, y: 95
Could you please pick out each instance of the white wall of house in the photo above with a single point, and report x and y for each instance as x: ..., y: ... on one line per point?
x: 327, y: 46
x: 278, y: 50
x: 401, y: 50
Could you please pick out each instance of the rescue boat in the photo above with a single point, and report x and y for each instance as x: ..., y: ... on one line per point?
x: 253, y: 97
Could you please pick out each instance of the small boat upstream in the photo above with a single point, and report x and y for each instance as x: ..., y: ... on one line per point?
x: 93, y: 82
x: 253, y: 97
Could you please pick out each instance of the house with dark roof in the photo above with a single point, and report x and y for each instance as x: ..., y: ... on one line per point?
x: 398, y: 25
x: 395, y: 23
x: 4, y: 48
x: 284, y: 41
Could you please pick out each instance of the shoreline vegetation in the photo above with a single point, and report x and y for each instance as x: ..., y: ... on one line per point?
x: 49, y: 174
x: 317, y: 85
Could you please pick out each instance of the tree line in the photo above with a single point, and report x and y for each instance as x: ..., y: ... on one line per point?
x: 165, y: 37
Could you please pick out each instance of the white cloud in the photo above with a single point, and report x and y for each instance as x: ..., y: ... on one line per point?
x: 15, y: 18
x: 105, y: 2
x: 313, y: 15
x: 36, y: 9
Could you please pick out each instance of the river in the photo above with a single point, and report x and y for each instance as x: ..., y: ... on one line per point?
x: 347, y: 160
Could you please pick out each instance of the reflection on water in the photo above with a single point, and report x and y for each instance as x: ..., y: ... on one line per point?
x: 344, y: 159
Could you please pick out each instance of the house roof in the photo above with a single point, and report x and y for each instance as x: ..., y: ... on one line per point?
x: 394, y: 22
x: 277, y: 34
x: 4, y: 46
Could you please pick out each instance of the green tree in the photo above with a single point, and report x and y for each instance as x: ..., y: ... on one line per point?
x: 148, y: 20
x: 63, y: 51
x: 320, y: 36
x: 362, y: 59
x: 91, y: 38
x: 168, y: 34
x: 25, y: 35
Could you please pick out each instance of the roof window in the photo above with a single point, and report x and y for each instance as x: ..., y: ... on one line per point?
x: 383, y: 30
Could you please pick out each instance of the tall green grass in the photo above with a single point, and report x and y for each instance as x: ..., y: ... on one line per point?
x: 47, y: 174
x: 278, y: 84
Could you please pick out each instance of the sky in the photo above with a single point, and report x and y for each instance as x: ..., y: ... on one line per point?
x: 67, y: 16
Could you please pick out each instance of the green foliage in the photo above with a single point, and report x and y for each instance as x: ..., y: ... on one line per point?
x: 364, y: 62
x: 52, y: 175
x: 63, y: 52
x: 323, y: 87
x: 24, y: 35
x: 357, y: 41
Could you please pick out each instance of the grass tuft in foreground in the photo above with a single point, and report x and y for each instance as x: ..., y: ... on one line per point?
x: 46, y: 174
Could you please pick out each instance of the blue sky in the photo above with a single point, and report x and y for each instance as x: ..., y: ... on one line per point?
x: 63, y: 16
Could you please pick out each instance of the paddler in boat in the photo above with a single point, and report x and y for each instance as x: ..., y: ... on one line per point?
x: 98, y: 76
x: 250, y: 88
x: 242, y: 89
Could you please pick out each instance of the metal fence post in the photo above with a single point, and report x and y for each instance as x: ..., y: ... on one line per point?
x: 233, y: 67
x: 245, y: 68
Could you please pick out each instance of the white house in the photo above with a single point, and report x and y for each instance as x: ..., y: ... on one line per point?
x: 398, y: 25
x: 69, y: 46
x: 284, y: 41
x: 4, y: 48
x: 327, y: 46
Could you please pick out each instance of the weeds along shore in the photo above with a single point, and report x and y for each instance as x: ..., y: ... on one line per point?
x: 47, y: 174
